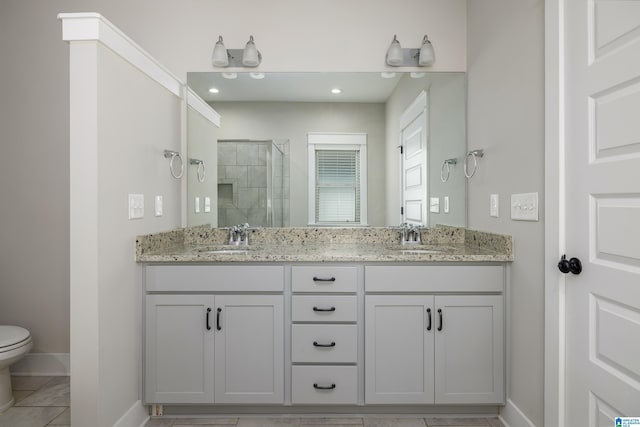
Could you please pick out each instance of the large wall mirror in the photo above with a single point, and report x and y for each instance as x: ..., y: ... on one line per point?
x: 261, y: 160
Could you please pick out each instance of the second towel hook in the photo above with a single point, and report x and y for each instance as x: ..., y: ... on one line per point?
x: 446, y: 168
x: 173, y: 155
x: 201, y: 172
x: 474, y: 155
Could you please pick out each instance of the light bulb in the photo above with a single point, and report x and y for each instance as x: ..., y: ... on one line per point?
x: 394, y: 53
x: 427, y: 55
x: 220, y: 57
x: 250, y: 55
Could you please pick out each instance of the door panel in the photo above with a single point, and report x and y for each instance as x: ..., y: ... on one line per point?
x: 178, y: 349
x: 413, y: 137
x: 249, y: 355
x: 602, y: 221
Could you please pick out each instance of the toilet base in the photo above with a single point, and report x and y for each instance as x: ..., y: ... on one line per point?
x: 6, y: 394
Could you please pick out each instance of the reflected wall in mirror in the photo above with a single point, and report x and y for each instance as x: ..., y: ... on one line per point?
x: 283, y: 108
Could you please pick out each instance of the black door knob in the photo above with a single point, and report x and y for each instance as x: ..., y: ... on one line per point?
x: 572, y: 265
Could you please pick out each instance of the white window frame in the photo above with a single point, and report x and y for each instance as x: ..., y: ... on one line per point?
x: 337, y: 141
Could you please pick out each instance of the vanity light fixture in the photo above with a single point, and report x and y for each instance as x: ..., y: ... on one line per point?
x: 388, y: 74
x: 230, y: 76
x: 247, y: 57
x: 257, y: 76
x: 414, y: 57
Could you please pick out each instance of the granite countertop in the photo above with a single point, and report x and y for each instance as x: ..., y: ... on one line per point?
x: 440, y: 244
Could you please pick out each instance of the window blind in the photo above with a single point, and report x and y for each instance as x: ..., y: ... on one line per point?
x: 337, y: 186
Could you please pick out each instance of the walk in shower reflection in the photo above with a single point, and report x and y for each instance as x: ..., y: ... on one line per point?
x: 253, y: 183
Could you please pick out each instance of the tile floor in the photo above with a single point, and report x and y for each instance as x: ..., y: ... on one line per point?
x: 40, y: 402
x: 44, y: 401
x: 317, y: 422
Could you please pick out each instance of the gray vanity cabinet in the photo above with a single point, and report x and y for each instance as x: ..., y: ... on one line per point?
x: 204, y: 345
x: 434, y: 335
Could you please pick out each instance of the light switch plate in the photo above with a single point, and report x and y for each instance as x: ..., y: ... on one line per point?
x: 196, y: 205
x: 494, y: 205
x: 136, y: 206
x: 158, y: 206
x: 524, y: 207
x: 207, y: 204
x: 434, y: 204
x: 445, y: 206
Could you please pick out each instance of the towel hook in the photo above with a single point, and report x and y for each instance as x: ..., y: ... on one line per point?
x: 473, y: 154
x: 201, y: 170
x: 446, y: 167
x: 173, y: 154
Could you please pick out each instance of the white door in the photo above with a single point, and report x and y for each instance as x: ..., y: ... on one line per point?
x: 179, y: 344
x: 602, y: 172
x: 413, y: 135
x: 399, y: 349
x: 249, y: 353
x: 469, y: 349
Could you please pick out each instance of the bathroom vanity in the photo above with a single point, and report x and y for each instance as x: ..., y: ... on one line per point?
x: 336, y: 324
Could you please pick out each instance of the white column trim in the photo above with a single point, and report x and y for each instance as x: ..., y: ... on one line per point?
x: 554, y: 353
x: 136, y: 416
x: 95, y: 27
x: 198, y: 104
x: 512, y: 416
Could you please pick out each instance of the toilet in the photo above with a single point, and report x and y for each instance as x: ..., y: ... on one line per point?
x: 15, y: 342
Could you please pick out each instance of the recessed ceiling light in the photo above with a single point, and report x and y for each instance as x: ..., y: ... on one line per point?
x: 213, y: 90
x: 336, y: 91
x: 257, y: 76
x: 230, y: 76
x: 388, y: 74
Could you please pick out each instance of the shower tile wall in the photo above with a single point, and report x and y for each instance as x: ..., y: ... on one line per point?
x: 242, y: 184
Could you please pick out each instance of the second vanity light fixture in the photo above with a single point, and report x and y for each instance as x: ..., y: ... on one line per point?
x: 420, y: 57
x: 247, y: 57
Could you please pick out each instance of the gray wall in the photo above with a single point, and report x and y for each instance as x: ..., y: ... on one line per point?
x: 292, y: 121
x: 202, y: 145
x: 506, y: 118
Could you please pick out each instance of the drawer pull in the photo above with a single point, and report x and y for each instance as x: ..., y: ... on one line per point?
x: 324, y: 279
x: 218, y: 324
x: 324, y: 387
x: 440, y: 317
x: 324, y: 309
x: 429, y: 317
x: 317, y: 344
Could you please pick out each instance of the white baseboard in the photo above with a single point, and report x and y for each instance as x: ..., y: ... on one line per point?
x: 512, y: 416
x: 136, y: 416
x: 46, y: 364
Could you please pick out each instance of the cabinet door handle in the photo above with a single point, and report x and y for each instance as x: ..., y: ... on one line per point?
x: 317, y: 344
x: 429, y: 319
x: 218, y: 324
x: 324, y: 279
x: 324, y: 387
x: 324, y: 309
x: 440, y: 317
x: 208, y: 324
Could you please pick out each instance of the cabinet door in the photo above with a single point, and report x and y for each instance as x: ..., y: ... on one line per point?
x: 399, y: 349
x: 249, y: 353
x: 178, y: 349
x: 469, y: 357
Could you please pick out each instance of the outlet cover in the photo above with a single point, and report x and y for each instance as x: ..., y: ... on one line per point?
x: 207, y: 204
x: 158, y: 206
x: 494, y: 205
x: 445, y: 206
x: 196, y: 204
x: 136, y: 206
x: 524, y: 207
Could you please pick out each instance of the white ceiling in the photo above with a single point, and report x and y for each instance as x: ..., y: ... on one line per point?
x: 295, y: 87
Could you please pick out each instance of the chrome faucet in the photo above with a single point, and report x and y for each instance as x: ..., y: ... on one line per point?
x: 409, y: 234
x: 239, y: 235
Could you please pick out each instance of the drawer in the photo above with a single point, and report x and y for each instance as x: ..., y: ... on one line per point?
x: 437, y: 278
x: 214, y: 278
x: 319, y: 385
x: 324, y: 308
x: 324, y: 279
x: 324, y: 343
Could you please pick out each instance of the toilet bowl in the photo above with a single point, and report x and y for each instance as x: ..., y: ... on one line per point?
x: 15, y: 342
